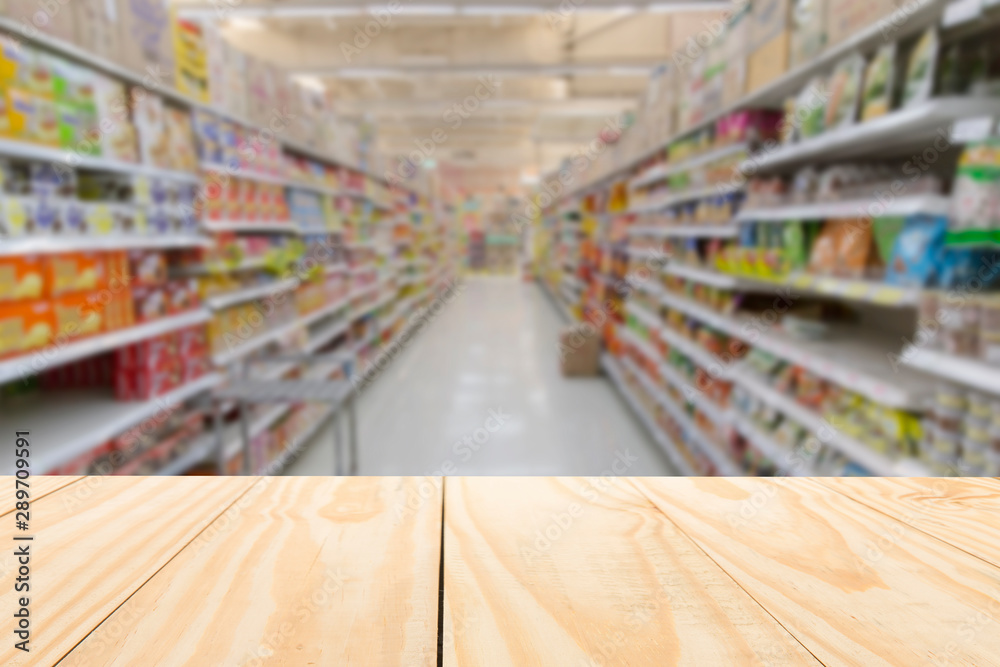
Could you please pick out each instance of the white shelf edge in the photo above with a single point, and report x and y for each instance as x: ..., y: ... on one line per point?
x: 669, y: 169
x: 764, y: 444
x: 858, y: 452
x: 28, y: 151
x: 703, y: 276
x: 686, y: 231
x: 223, y: 301
x: 975, y: 373
x: 53, y: 357
x: 141, y: 411
x: 901, y: 206
x: 59, y: 244
x: 251, y: 227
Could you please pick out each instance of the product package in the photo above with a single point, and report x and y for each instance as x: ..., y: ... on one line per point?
x: 916, y: 255
x: 845, y: 91
x: 920, y: 68
x: 876, y: 98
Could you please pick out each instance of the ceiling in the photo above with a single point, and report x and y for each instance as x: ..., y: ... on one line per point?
x: 532, y: 81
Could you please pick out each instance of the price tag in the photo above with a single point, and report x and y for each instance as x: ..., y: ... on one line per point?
x: 803, y: 281
x: 889, y: 295
x: 972, y: 129
x: 829, y: 286
x: 857, y: 290
x: 961, y: 11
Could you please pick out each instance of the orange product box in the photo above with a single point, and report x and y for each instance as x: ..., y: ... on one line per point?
x: 119, y: 269
x: 76, y: 316
x: 182, y: 296
x: 215, y: 199
x: 25, y: 326
x: 74, y: 272
x: 116, y: 307
x: 21, y: 278
x: 249, y: 202
x: 234, y: 209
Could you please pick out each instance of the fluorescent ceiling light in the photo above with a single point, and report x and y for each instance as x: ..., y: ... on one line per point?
x: 620, y: 9
x: 309, y: 81
x: 245, y: 23
x: 368, y: 73
x: 501, y: 10
x: 318, y: 11
x: 711, y: 6
x: 422, y: 10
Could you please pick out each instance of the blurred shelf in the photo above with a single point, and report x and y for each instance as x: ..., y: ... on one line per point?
x: 685, y: 231
x: 73, y: 159
x: 875, y: 463
x: 611, y: 367
x: 856, y: 359
x: 65, y: 425
x: 237, y: 171
x: 895, y: 133
x: 53, y: 356
x: 702, y: 442
x: 863, y: 291
x: 704, y: 276
x: 327, y: 335
x: 974, y: 373
x: 233, y: 439
x: 250, y: 226
x: 774, y: 94
x: 200, y: 451
x: 223, y: 301
x: 857, y: 208
x: 297, y: 442
x: 58, y: 244
x: 665, y: 170
x: 781, y: 456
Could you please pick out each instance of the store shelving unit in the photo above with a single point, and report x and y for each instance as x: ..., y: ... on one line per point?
x: 863, y: 358
x: 375, y: 208
x: 20, y: 367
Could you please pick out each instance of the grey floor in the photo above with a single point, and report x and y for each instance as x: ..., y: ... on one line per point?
x: 478, y: 392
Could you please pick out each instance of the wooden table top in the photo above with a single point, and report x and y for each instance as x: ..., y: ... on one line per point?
x: 540, y: 571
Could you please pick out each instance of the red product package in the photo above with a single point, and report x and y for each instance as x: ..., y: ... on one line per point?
x: 182, y: 296
x: 147, y: 267
x: 150, y: 302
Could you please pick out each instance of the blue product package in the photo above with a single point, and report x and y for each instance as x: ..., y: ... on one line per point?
x: 970, y: 268
x: 916, y: 258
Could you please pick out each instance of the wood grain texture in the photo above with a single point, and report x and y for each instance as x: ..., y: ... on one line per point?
x: 962, y: 512
x: 309, y: 571
x: 94, y: 545
x: 546, y: 571
x: 39, y: 488
x: 853, y: 585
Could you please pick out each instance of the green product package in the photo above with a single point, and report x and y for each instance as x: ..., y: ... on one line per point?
x: 920, y: 68
x: 796, y: 251
x: 809, y: 111
x: 845, y: 90
x: 876, y: 100
x: 885, y: 231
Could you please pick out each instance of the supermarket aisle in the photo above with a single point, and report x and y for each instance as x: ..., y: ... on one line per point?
x: 489, y: 361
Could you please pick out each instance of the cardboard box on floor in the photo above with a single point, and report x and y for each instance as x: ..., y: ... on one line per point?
x: 580, y: 353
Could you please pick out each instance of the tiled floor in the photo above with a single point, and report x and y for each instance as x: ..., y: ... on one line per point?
x: 478, y: 392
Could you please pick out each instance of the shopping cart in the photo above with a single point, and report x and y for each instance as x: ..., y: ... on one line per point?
x: 246, y: 391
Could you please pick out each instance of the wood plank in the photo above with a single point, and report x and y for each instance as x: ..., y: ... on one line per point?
x: 38, y: 486
x: 311, y: 571
x: 805, y: 552
x: 962, y: 512
x: 546, y: 571
x: 92, y: 550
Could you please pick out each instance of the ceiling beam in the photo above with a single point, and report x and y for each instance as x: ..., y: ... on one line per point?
x: 398, y: 71
x: 222, y: 9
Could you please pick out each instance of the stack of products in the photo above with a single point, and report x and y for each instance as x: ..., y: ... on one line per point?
x: 246, y: 200
x: 62, y: 297
x: 962, y: 433
x: 159, y: 365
